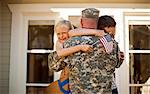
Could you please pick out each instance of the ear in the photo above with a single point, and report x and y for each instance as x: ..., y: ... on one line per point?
x: 106, y: 29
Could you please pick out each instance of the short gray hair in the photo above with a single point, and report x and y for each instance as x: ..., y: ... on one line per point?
x: 64, y: 23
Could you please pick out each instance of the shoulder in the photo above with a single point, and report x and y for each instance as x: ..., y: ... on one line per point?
x: 71, y: 39
x: 58, y: 45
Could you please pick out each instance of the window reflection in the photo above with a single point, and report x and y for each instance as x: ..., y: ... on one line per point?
x: 37, y: 69
x: 139, y: 36
x: 146, y: 89
x: 140, y: 90
x: 36, y: 90
x: 135, y: 90
x: 40, y: 36
x: 139, y: 68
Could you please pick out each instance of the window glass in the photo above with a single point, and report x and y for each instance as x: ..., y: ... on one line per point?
x: 139, y: 37
x: 140, y: 90
x: 36, y: 90
x: 40, y: 35
x: 40, y: 38
x: 37, y: 68
x: 139, y: 68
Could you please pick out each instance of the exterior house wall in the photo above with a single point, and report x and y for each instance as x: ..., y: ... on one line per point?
x: 76, y: 1
x: 26, y: 12
x: 5, y: 34
x: 0, y: 24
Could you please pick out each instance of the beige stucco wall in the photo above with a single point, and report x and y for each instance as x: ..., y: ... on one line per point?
x: 78, y: 1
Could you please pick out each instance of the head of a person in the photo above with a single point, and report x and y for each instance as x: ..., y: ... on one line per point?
x: 108, y: 24
x: 89, y: 18
x: 62, y: 28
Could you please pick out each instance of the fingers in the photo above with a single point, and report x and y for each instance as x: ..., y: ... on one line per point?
x: 87, y: 48
x: 121, y: 55
x: 90, y: 49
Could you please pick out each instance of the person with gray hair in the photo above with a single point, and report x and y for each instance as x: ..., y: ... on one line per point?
x: 89, y: 73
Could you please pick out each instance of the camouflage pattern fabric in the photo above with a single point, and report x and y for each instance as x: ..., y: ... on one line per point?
x: 89, y: 73
x: 55, y: 63
x: 90, y: 13
x: 119, y: 62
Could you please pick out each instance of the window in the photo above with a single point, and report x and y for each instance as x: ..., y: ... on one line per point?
x: 40, y: 43
x: 139, y: 55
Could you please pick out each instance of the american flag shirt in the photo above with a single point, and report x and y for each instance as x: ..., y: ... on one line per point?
x: 107, y: 43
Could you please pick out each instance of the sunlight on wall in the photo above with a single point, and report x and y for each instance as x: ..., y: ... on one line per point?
x: 64, y: 12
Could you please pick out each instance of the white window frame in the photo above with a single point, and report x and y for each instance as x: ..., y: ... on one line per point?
x: 19, y: 37
x: 137, y: 20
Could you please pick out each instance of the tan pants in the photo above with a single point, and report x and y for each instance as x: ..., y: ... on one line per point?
x: 53, y: 88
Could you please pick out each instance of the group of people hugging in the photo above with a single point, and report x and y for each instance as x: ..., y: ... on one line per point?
x: 87, y: 55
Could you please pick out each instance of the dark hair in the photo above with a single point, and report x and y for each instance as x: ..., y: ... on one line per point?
x: 105, y: 21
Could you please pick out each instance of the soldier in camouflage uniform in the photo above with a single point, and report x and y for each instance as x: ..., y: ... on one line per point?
x: 89, y: 73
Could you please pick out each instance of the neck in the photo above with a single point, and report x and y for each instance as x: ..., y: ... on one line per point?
x: 89, y: 23
x: 88, y: 27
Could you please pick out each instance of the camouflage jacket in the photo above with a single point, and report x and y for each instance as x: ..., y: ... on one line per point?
x: 89, y: 73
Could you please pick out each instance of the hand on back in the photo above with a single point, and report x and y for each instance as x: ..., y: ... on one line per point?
x: 121, y: 56
x: 86, y: 48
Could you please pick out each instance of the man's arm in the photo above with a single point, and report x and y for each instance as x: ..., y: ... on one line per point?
x: 82, y: 31
x: 105, y: 38
x: 68, y: 51
x: 55, y: 62
x: 56, y: 59
x: 70, y: 43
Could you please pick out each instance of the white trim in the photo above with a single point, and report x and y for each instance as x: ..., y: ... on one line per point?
x: 139, y: 85
x: 139, y: 51
x: 18, y: 55
x: 37, y: 84
x: 39, y: 22
x: 39, y: 51
x: 136, y: 20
